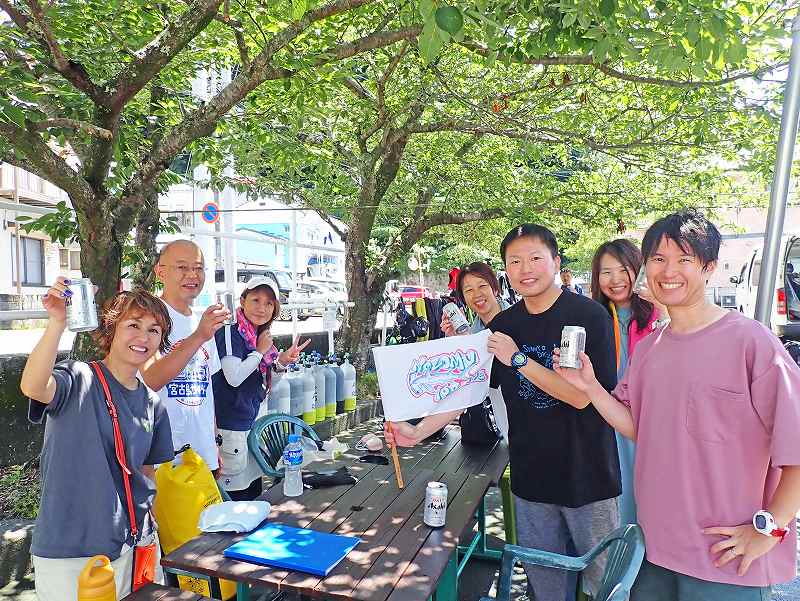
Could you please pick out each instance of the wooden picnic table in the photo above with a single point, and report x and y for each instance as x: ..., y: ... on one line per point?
x: 399, y: 558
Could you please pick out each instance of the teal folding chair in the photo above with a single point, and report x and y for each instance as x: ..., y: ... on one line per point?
x: 625, y: 555
x: 270, y: 435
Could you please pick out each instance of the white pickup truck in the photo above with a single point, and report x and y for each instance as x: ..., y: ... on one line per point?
x: 785, y: 317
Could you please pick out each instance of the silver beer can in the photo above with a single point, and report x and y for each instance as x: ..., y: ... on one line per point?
x: 226, y: 300
x: 435, y: 504
x: 456, y: 317
x: 573, y: 342
x: 81, y: 308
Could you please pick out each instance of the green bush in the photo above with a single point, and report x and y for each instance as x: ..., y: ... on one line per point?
x: 20, y: 490
x: 368, y: 386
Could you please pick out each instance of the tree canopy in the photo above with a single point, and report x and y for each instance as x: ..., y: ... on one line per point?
x: 398, y: 117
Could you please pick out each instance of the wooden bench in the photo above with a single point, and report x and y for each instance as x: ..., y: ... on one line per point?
x: 158, y: 592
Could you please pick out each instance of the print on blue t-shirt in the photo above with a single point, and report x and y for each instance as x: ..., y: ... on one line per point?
x: 189, y: 386
x: 528, y: 391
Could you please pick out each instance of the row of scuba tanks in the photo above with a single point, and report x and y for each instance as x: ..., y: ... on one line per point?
x: 314, y: 389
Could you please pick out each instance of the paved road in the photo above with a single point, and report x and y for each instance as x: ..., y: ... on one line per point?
x: 15, y: 342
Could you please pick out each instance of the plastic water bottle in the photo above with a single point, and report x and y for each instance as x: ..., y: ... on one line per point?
x: 349, y: 373
x: 279, y: 395
x: 293, y: 459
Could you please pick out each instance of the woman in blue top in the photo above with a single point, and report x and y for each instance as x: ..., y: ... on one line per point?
x: 477, y: 287
x: 248, y: 358
x: 614, y: 270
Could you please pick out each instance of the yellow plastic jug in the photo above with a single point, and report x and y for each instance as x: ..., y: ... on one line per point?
x: 183, y: 491
x: 96, y: 582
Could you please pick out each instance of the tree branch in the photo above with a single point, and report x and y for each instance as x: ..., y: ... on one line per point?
x: 71, y: 71
x: 357, y: 89
x: 87, y: 128
x: 411, y: 234
x: 238, y: 34
x: 611, y: 72
x: 329, y: 220
x: 202, y: 121
x: 47, y: 164
x: 161, y: 50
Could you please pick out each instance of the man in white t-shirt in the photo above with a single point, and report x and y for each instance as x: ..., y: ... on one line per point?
x: 182, y: 377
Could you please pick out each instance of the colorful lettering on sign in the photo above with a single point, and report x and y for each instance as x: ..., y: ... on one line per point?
x: 440, y: 376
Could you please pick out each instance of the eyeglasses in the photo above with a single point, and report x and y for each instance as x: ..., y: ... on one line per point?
x: 186, y: 270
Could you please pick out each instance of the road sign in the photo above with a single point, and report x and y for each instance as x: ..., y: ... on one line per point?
x: 210, y: 212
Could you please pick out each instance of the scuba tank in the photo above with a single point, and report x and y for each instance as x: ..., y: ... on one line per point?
x: 339, y: 384
x: 349, y: 373
x: 330, y: 390
x: 319, y: 392
x: 309, y: 406
x: 295, y: 391
x: 279, y: 395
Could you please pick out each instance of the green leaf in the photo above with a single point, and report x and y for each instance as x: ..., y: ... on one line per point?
x: 449, y: 19
x: 600, y: 50
x: 430, y: 44
x: 569, y: 19
x: 299, y: 8
x: 703, y: 49
x: 735, y: 53
x: 427, y: 8
x: 608, y: 7
x: 692, y: 31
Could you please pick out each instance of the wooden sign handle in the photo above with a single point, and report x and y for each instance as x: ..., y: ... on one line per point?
x: 395, y: 459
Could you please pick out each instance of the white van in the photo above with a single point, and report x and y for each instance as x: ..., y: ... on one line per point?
x: 785, y: 317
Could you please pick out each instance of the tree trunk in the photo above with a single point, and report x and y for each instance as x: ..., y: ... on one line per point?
x: 147, y: 229
x: 101, y: 259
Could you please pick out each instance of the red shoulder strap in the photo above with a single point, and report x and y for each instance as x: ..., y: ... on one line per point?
x: 119, y: 447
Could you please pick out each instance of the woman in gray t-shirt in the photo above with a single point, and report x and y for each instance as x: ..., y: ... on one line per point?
x: 83, y: 509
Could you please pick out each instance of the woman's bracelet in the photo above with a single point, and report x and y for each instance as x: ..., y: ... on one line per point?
x: 278, y: 366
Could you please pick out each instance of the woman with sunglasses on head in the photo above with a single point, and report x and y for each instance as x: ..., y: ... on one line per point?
x: 84, y: 507
x: 248, y: 359
x: 614, y: 268
x: 477, y: 287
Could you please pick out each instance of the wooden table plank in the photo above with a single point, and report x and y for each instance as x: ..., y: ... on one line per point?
x: 421, y: 575
x: 375, y: 534
x: 378, y: 582
x: 395, y: 543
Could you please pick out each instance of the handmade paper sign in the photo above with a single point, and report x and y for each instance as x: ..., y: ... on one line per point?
x: 425, y: 378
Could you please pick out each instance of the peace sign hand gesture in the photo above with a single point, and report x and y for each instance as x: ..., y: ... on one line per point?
x: 292, y: 354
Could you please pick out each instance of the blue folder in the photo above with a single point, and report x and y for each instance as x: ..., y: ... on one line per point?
x: 303, y: 550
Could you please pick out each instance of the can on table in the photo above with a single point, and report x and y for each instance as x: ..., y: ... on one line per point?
x: 435, y: 504
x: 81, y: 308
x: 573, y: 342
x: 456, y: 317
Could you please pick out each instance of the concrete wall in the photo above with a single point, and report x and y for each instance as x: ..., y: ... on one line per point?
x: 21, y: 441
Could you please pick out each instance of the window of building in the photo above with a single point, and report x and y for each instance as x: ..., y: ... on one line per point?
x: 31, y: 261
x: 75, y: 260
x: 63, y: 258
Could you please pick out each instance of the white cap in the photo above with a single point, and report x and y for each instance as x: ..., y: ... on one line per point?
x: 260, y: 280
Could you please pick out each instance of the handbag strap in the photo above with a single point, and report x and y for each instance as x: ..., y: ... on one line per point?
x: 119, y: 447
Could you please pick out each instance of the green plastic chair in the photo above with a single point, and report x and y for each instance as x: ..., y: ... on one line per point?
x: 270, y: 435
x: 626, y: 552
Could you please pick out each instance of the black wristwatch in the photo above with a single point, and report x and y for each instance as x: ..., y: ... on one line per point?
x: 218, y: 439
x: 519, y: 360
